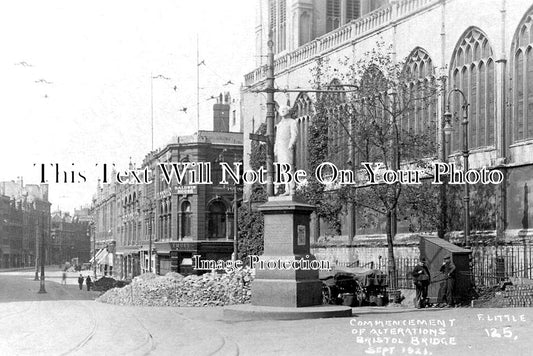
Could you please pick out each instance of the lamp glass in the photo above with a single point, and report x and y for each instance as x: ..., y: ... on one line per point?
x: 448, y: 128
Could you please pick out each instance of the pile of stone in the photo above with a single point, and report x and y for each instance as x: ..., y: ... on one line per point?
x: 105, y: 283
x: 192, y: 291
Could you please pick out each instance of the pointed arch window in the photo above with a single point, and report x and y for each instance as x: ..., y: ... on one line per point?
x: 522, y: 84
x: 338, y: 145
x: 302, y: 110
x: 472, y: 71
x: 420, y: 76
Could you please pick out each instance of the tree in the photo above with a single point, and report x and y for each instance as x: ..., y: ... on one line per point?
x: 370, y: 115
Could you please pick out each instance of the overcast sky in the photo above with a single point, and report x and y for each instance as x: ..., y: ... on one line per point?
x: 98, y: 56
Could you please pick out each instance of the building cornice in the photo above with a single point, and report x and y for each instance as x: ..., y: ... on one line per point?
x: 346, y: 35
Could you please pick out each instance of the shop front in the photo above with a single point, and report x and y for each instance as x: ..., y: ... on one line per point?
x: 177, y: 256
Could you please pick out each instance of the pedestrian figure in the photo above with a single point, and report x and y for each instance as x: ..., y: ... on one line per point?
x: 448, y: 269
x: 88, y: 282
x: 80, y: 281
x: 421, y: 279
x: 64, y: 278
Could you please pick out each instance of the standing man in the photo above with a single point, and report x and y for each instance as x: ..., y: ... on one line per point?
x: 80, y: 281
x: 421, y: 280
x: 448, y: 269
x: 88, y: 282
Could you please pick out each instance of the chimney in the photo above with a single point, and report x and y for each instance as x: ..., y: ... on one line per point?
x: 44, y: 191
x: 221, y: 113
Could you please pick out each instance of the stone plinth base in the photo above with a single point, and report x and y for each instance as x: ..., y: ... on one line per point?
x: 253, y: 312
x: 286, y: 273
x: 286, y: 293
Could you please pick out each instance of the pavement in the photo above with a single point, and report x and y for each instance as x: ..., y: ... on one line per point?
x: 67, y: 321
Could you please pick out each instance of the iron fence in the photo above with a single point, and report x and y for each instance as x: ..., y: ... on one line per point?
x: 489, y: 265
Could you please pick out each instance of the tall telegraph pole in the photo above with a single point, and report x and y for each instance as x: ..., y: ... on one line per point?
x: 270, y: 115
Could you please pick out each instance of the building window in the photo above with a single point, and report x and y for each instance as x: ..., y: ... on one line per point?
x: 333, y: 14
x: 353, y: 10
x: 338, y: 137
x: 282, y: 41
x: 272, y: 20
x: 302, y: 112
x: 216, y: 228
x: 472, y: 71
x: 522, y: 85
x: 304, y: 34
x: 277, y: 22
x: 186, y: 214
x: 420, y: 77
x: 234, y: 118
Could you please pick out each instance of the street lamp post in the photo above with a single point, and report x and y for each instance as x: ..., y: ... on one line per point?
x: 150, y: 243
x: 36, y: 248
x: 447, y: 130
x: 444, y: 186
x: 235, y: 223
x: 94, y: 250
x: 41, y: 257
x: 149, y: 209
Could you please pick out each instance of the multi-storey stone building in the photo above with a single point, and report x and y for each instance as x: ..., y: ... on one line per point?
x: 24, y: 222
x: 176, y: 220
x: 483, y: 48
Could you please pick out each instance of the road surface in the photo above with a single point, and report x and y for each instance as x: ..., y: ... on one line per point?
x: 67, y: 321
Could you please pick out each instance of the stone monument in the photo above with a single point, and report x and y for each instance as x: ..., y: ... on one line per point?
x: 286, y: 284
x: 286, y: 238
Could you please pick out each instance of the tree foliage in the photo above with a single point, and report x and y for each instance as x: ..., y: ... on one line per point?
x: 366, y: 116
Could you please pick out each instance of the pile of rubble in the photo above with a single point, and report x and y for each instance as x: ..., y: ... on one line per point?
x: 106, y: 283
x: 192, y: 291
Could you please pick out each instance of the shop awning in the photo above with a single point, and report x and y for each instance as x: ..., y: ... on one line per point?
x: 98, y: 254
x: 102, y: 258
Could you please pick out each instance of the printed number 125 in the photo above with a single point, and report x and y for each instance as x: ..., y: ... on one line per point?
x: 493, y: 332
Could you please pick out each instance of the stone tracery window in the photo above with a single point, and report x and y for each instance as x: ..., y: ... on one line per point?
x: 338, y: 145
x: 472, y: 71
x: 301, y: 111
x: 522, y: 85
x: 420, y: 76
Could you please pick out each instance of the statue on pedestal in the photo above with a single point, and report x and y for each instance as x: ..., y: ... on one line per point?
x: 286, y: 136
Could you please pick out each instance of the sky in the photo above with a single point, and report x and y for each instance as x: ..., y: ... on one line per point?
x: 82, y: 94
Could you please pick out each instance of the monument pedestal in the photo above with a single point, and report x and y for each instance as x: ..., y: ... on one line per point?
x: 286, y: 284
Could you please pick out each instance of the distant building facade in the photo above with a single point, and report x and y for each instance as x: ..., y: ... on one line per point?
x: 24, y: 221
x: 177, y: 220
x: 70, y: 238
